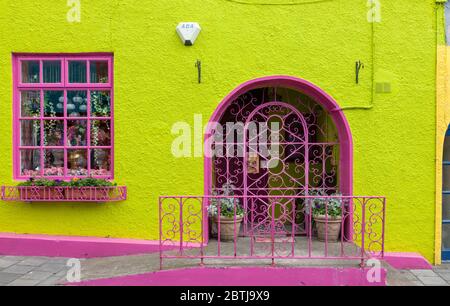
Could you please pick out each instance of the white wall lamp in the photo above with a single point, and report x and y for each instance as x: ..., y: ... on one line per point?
x: 188, y: 32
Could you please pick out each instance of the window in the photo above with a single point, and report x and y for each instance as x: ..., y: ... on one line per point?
x: 63, y: 116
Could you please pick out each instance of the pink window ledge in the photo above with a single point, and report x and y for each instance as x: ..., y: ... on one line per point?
x: 63, y: 194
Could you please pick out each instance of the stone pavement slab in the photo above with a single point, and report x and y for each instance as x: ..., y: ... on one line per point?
x: 21, y: 282
x: 6, y: 278
x: 52, y: 281
x: 38, y: 275
x: 445, y: 275
x: 52, y: 267
x: 34, y: 261
x: 424, y: 273
x: 433, y: 281
x: 32, y: 271
x: 18, y: 269
x: 6, y: 263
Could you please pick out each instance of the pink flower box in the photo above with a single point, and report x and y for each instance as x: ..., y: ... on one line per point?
x: 63, y: 194
x: 92, y: 194
x: 34, y: 193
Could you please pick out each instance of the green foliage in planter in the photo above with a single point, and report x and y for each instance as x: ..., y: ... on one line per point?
x: 87, y: 182
x: 90, y: 182
x: 326, y: 205
x: 228, y: 204
x: 227, y: 208
x: 42, y: 183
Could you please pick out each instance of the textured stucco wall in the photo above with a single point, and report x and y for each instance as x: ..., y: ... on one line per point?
x: 442, y: 120
x: 442, y: 123
x: 156, y: 86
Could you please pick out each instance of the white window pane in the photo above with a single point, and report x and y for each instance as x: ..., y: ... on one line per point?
x: 53, y: 103
x: 446, y: 207
x: 77, y: 133
x: 77, y: 72
x: 446, y: 236
x: 99, y: 72
x: 100, y: 104
x: 30, y: 71
x: 77, y: 162
x: 100, y: 162
x: 77, y: 103
x: 30, y: 133
x: 101, y: 133
x: 54, y: 163
x: 30, y: 103
x: 53, y: 133
x: 52, y: 72
x: 446, y: 178
x: 30, y: 163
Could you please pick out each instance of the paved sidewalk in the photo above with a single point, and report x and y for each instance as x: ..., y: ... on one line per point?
x: 44, y: 271
x: 439, y: 276
x: 32, y: 271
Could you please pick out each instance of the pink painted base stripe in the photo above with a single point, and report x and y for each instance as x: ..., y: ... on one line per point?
x: 77, y: 247
x: 407, y: 261
x: 245, y: 277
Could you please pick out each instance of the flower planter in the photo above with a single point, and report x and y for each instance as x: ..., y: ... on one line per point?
x: 103, y: 194
x: 79, y: 194
x: 32, y: 194
x: 227, y: 227
x: 89, y: 194
x: 41, y: 193
x: 328, y: 230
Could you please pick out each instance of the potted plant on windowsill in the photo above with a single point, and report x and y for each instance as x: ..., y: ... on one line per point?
x: 90, y: 189
x: 327, y: 213
x: 227, y: 214
x: 41, y: 190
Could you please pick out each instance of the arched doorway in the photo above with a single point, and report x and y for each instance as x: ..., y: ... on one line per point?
x: 446, y: 199
x: 314, y: 154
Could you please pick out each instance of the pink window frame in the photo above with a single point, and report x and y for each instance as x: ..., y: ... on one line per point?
x: 64, y: 86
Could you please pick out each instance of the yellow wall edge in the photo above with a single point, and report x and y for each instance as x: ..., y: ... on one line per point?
x: 442, y: 123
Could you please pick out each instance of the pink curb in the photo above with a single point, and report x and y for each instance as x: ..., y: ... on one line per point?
x: 77, y: 247
x: 407, y: 261
x: 245, y: 277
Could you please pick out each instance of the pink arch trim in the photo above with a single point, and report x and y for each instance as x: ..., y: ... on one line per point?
x: 313, y: 91
x: 320, y: 96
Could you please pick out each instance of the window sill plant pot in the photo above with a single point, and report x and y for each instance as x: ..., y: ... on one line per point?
x: 82, y: 190
x: 97, y: 194
x: 41, y: 193
x: 41, y: 190
x: 79, y: 194
x: 89, y: 189
x: 327, y: 213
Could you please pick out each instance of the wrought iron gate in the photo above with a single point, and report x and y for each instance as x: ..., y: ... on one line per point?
x: 283, y: 148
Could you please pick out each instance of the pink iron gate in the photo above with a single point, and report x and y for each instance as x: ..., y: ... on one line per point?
x: 183, y: 220
x: 286, y: 149
x: 282, y: 171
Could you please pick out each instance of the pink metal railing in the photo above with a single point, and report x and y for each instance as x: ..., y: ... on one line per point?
x: 188, y: 232
x: 63, y: 194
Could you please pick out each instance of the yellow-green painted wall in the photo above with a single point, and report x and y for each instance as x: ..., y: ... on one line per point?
x: 156, y: 86
x: 442, y: 123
